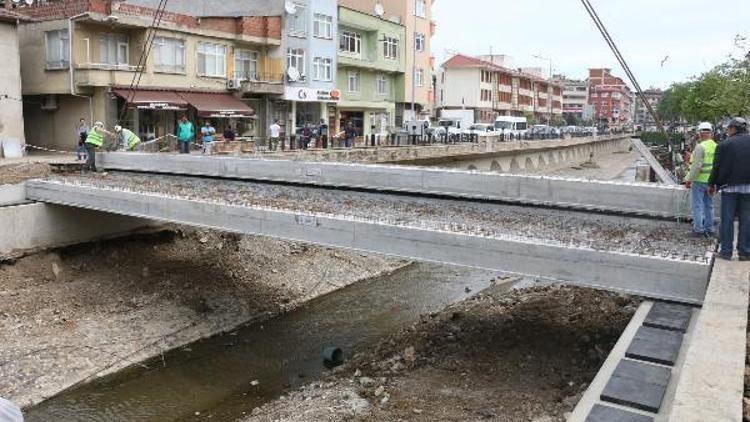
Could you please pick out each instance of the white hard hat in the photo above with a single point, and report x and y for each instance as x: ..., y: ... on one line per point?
x: 118, y: 128
x: 99, y: 124
x: 705, y: 126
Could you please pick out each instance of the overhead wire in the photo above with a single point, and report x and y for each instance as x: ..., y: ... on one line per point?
x: 143, y: 59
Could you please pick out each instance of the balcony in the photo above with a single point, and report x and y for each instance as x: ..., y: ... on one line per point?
x: 103, y: 74
x: 259, y: 83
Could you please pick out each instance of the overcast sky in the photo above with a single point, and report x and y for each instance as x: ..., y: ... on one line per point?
x: 695, y: 34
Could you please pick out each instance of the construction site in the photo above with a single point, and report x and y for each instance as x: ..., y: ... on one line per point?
x: 509, y: 271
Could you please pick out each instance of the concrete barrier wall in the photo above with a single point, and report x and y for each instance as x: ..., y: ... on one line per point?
x: 666, y: 278
x: 32, y: 227
x: 487, y: 145
x: 13, y: 194
x: 633, y: 198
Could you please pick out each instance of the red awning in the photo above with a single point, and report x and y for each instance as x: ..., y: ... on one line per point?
x: 152, y: 100
x: 217, y: 104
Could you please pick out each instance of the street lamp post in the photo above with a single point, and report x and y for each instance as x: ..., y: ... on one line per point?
x: 549, y: 99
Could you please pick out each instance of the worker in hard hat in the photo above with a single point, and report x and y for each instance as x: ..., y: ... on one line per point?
x: 701, y: 164
x: 94, y: 140
x: 126, y: 139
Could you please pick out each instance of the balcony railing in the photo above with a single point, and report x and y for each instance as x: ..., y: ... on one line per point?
x: 258, y: 77
x: 107, y: 66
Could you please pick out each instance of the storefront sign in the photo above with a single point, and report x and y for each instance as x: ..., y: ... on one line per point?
x: 311, y: 95
x: 227, y: 114
x: 159, y: 106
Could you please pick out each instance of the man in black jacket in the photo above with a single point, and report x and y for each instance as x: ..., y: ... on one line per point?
x: 731, y: 176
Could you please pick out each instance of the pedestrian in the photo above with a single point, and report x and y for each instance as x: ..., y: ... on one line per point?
x: 94, y: 140
x: 185, y: 133
x: 207, y: 137
x: 275, y: 130
x: 731, y: 176
x: 82, y: 131
x: 350, y: 134
x: 229, y: 134
x: 701, y: 164
x: 307, y: 134
x: 126, y: 139
x: 323, y: 134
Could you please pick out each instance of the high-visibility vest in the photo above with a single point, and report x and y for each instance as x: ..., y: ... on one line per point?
x: 131, y: 139
x: 94, y: 137
x: 709, y: 151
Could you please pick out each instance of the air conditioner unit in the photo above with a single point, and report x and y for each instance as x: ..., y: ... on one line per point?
x: 234, y: 84
x: 49, y: 102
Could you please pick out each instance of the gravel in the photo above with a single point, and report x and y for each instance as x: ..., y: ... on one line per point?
x: 559, y: 227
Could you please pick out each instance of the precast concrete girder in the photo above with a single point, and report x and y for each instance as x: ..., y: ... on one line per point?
x: 657, y: 277
x: 607, y: 196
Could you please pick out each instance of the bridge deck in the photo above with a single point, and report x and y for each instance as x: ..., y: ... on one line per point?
x: 631, y: 198
x: 616, y: 253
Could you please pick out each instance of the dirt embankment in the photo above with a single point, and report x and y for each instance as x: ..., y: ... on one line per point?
x: 83, y: 311
x: 522, y: 356
x: 18, y: 172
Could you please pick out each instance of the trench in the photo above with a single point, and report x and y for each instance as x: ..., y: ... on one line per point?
x: 225, y: 376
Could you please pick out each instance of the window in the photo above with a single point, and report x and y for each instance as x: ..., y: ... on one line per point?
x: 353, y: 82
x: 246, y: 64
x: 322, y: 69
x: 296, y: 24
x: 390, y: 48
x: 419, y: 41
x: 212, y: 60
x: 350, y: 42
x: 419, y: 8
x: 381, y: 85
x: 296, y: 60
x: 113, y: 49
x: 419, y: 77
x: 169, y: 55
x: 323, y: 26
x: 58, y: 49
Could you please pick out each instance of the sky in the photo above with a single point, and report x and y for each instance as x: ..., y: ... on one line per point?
x: 696, y: 35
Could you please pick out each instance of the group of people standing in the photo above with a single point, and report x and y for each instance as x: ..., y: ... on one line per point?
x: 313, y: 135
x: 722, y: 167
x: 91, y: 138
x: 186, y: 134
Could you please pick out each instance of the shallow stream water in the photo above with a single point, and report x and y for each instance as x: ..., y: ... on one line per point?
x: 224, y: 377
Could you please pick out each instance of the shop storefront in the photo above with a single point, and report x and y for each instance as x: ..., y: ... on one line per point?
x: 154, y: 113
x: 309, y: 105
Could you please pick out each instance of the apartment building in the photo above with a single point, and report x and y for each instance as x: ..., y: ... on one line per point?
x: 414, y: 90
x: 611, y: 99
x: 485, y: 85
x: 371, y: 63
x: 91, y: 59
x: 11, y: 130
x: 576, y: 107
x: 642, y: 115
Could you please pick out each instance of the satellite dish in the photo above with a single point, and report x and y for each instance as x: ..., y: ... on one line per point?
x: 290, y: 7
x: 293, y: 74
x: 379, y: 9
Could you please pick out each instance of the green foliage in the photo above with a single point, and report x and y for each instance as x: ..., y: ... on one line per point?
x: 530, y: 118
x: 657, y: 138
x: 716, y: 94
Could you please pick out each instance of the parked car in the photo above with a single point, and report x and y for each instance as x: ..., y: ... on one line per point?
x: 511, y: 127
x: 480, y: 129
x: 452, y: 127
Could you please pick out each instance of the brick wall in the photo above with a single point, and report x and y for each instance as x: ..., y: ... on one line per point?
x: 258, y: 26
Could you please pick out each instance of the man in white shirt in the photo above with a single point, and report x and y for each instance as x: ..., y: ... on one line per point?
x: 275, y: 133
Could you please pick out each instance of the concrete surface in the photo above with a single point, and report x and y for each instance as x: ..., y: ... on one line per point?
x: 650, y: 276
x: 631, y: 198
x: 34, y: 227
x: 711, y: 385
x: 592, y: 395
x: 13, y: 194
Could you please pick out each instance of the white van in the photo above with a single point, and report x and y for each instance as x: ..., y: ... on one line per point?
x: 511, y: 126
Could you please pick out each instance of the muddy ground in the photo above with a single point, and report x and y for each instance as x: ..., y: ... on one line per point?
x: 18, y: 172
x: 72, y: 314
x: 525, y: 356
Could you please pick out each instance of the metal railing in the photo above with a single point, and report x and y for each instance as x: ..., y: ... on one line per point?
x: 258, y: 77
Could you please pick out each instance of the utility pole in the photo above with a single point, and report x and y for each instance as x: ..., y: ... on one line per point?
x: 549, y: 97
x: 414, y: 67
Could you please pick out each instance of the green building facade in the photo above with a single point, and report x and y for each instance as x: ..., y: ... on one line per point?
x: 371, y: 64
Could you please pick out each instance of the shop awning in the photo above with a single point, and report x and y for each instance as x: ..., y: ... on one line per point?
x: 217, y: 105
x: 152, y: 100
